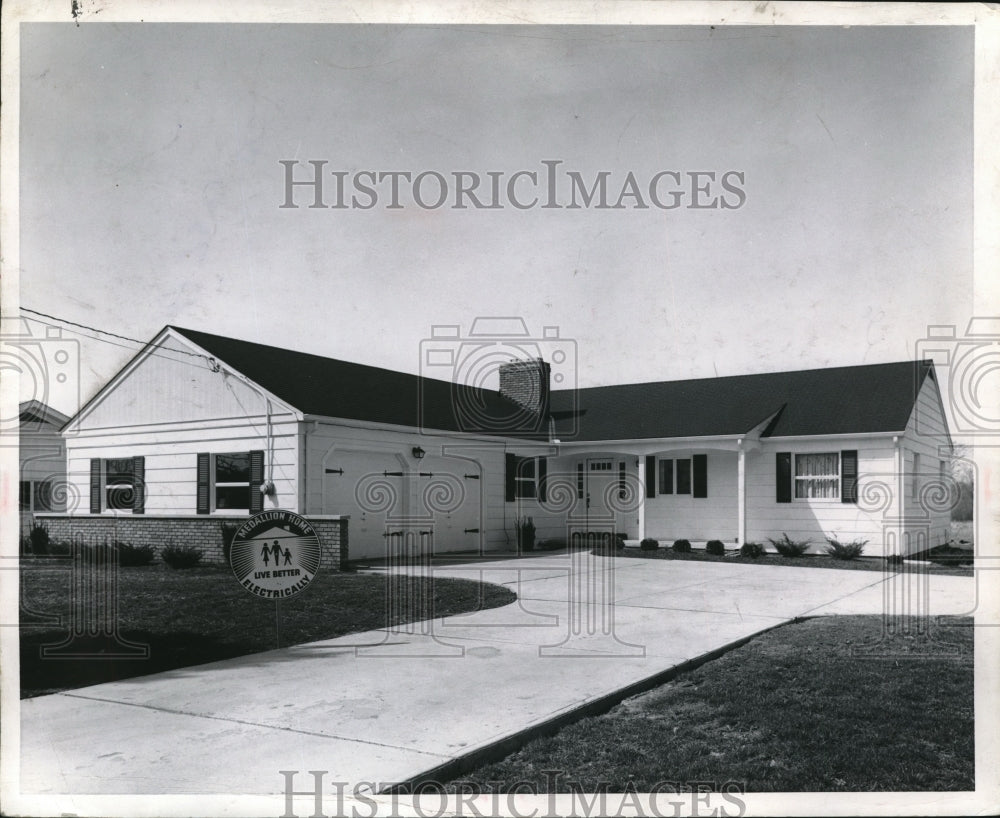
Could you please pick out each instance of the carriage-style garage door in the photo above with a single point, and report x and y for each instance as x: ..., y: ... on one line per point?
x: 434, y: 502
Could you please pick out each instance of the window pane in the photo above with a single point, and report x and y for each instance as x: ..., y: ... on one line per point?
x: 43, y: 495
x: 526, y: 468
x: 118, y: 470
x: 232, y: 468
x: 684, y: 476
x: 524, y: 489
x: 232, y: 497
x: 816, y: 465
x: 120, y: 498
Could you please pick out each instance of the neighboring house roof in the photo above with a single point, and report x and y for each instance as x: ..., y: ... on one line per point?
x: 34, y: 411
x: 339, y: 389
x: 840, y: 400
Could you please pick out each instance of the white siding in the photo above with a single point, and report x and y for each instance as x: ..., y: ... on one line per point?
x: 929, y: 512
x: 170, y: 452
x: 673, y: 516
x: 816, y: 519
x: 170, y: 385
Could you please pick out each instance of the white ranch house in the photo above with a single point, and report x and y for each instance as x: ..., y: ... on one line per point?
x: 199, y: 429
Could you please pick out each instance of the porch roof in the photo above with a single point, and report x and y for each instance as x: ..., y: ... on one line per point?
x: 841, y: 400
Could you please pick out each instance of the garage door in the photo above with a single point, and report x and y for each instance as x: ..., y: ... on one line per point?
x: 448, y: 493
x: 433, y: 503
x: 371, y: 488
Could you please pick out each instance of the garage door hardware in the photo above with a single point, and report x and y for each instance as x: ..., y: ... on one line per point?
x: 334, y: 471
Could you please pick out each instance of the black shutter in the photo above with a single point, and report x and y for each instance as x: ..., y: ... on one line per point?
x: 510, y: 473
x: 650, y: 475
x: 699, y: 464
x: 95, y: 486
x: 203, y: 499
x: 543, y: 474
x: 849, y: 476
x: 579, y: 481
x: 138, y: 485
x: 256, y: 478
x: 783, y: 477
x: 667, y: 476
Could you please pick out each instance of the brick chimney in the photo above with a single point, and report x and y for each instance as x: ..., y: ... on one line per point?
x: 527, y: 383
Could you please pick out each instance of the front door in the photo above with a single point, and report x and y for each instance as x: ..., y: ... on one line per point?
x: 603, y: 478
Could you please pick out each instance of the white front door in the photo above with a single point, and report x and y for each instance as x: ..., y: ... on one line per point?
x: 603, y: 476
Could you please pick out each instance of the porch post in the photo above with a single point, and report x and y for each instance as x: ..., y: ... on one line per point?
x: 640, y: 462
x: 741, y: 495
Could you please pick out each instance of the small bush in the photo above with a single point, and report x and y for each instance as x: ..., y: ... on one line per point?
x: 38, y: 538
x: 788, y: 547
x: 620, y: 541
x: 682, y: 546
x: 716, y: 547
x: 894, y: 560
x: 752, y: 549
x: 845, y: 551
x: 649, y: 544
x: 181, y: 556
x: 132, y: 555
x: 551, y: 544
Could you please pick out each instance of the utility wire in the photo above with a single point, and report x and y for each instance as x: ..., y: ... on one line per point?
x: 105, y: 332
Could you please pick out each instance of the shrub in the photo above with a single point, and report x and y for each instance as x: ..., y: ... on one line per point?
x: 181, y: 556
x: 551, y: 544
x: 649, y: 544
x: 752, y: 549
x: 38, y: 538
x: 788, y: 547
x: 682, y: 546
x: 894, y: 560
x: 525, y: 528
x: 716, y: 547
x: 845, y: 551
x: 620, y: 541
x: 132, y: 555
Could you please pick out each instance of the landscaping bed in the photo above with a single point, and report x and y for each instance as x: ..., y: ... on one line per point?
x: 826, y: 704
x: 202, y: 614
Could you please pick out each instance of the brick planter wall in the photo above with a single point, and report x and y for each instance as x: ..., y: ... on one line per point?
x: 200, y: 532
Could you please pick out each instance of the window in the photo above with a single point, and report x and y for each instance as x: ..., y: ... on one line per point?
x: 42, y: 495
x: 524, y: 479
x: 600, y: 465
x: 666, y: 476
x: 119, y: 484
x: 684, y: 476
x: 817, y: 476
x: 232, y: 481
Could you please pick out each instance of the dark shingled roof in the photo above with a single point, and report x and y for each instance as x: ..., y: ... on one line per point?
x: 841, y: 400
x: 325, y: 386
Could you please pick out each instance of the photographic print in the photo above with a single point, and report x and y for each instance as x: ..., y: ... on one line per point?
x: 506, y: 409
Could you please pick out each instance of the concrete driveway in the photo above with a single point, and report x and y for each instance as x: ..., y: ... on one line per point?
x: 386, y: 706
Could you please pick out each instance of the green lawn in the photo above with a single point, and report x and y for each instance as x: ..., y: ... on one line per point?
x: 188, y: 617
x: 800, y: 708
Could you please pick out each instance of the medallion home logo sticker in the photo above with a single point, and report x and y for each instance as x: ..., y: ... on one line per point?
x: 275, y: 554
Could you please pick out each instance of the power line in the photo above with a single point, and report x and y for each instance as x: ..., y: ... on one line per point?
x: 106, y: 332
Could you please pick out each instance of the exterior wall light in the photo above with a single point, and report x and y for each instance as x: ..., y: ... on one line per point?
x: 418, y: 453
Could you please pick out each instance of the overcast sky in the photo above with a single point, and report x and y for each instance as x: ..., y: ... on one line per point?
x: 151, y: 188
